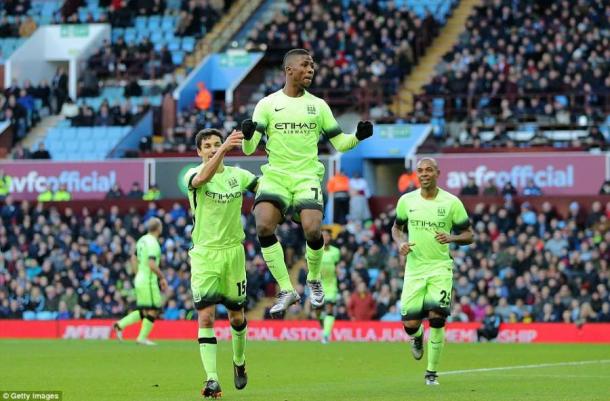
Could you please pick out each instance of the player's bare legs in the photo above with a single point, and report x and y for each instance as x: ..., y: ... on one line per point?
x: 239, y: 333
x: 415, y: 329
x: 268, y: 216
x: 311, y: 220
x: 148, y: 319
x: 207, y: 350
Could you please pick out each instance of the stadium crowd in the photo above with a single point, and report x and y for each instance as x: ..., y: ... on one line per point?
x: 124, y: 114
x: 531, y: 265
x: 21, y: 105
x: 359, y: 46
x: 542, y: 61
x: 68, y: 265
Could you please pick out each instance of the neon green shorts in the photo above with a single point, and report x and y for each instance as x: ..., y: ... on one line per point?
x: 218, y: 276
x: 331, y: 293
x: 288, y: 193
x: 148, y: 294
x: 421, y: 295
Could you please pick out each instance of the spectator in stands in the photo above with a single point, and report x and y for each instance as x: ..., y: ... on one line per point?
x: 491, y: 189
x: 136, y: 191
x: 62, y: 194
x: 338, y: 185
x: 46, y: 195
x: 41, y: 153
x: 491, y: 325
x: 359, y: 198
x: 531, y: 189
x: 104, y: 118
x: 5, y: 185
x: 509, y: 190
x: 115, y: 192
x: 69, y: 109
x: 19, y: 152
x: 133, y: 88
x: 27, y: 27
x: 470, y: 189
x: 124, y: 116
x: 17, y: 7
x: 407, y: 181
x: 153, y: 193
x: 203, y: 100
x: 361, y: 305
x: 605, y: 188
x: 59, y: 88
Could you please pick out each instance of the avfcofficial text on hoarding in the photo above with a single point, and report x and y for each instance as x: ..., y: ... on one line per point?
x: 74, y: 181
x: 518, y: 175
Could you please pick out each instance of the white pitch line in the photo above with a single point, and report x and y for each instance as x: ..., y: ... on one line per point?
x: 540, y: 365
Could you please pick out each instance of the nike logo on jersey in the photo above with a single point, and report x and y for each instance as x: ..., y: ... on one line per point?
x: 411, y: 210
x: 276, y: 109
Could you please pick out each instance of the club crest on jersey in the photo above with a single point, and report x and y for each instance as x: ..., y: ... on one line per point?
x: 311, y: 109
x: 441, y: 212
x: 233, y: 182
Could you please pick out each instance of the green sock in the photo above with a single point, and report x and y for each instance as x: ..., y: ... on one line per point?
x: 329, y: 321
x: 238, y: 339
x: 207, y: 349
x: 314, y: 262
x: 133, y: 317
x: 435, y: 347
x: 147, y: 326
x: 274, y: 256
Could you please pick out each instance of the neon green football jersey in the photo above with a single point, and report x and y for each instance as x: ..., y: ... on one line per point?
x: 422, y: 219
x: 216, y: 206
x: 147, y: 248
x: 293, y: 126
x: 328, y: 270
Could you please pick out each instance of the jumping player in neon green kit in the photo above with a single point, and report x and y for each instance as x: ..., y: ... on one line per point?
x: 148, y: 283
x: 293, y: 120
x: 425, y: 220
x: 218, y: 272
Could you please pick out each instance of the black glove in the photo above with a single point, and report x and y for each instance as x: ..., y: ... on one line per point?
x: 247, y: 128
x: 364, y: 130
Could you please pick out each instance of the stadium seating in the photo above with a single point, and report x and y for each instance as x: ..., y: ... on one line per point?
x: 515, y: 52
x: 350, y: 57
x: 83, y: 143
x: 41, y: 11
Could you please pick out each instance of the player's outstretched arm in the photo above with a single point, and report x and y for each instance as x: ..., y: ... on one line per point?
x: 364, y: 130
x: 209, y: 169
x: 343, y: 142
x: 251, y: 136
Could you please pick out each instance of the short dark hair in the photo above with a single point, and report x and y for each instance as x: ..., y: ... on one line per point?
x: 294, y: 52
x: 205, y: 134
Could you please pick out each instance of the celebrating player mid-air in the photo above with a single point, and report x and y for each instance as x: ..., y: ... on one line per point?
x: 428, y: 215
x: 293, y: 120
x: 218, y: 263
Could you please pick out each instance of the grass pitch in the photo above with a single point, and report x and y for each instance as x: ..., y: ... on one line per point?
x: 291, y: 371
